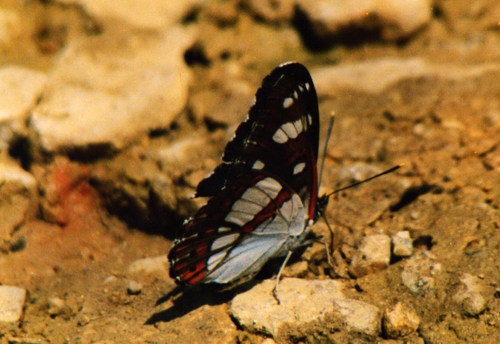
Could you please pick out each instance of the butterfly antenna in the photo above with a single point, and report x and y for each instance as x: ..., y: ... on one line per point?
x: 392, y: 169
x: 328, y: 135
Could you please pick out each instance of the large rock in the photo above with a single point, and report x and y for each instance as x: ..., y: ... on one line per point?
x: 301, y: 301
x: 20, y: 89
x: 374, y: 76
x: 394, y: 19
x: 140, y: 14
x: 105, y: 92
x: 18, y: 196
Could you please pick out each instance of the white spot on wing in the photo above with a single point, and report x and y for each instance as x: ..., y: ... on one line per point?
x: 224, y: 229
x: 270, y: 186
x: 224, y: 241
x: 256, y: 196
x: 280, y: 136
x: 287, y: 102
x: 290, y: 130
x: 295, y: 95
x: 307, y: 86
x: 298, y: 125
x: 246, y: 206
x: 258, y: 165
x: 215, y: 259
x: 309, y: 119
x: 299, y: 167
x: 238, y: 218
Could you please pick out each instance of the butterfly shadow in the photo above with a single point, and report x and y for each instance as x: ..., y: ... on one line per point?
x: 187, y: 299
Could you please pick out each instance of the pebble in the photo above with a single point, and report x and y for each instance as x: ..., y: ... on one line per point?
x: 12, y: 301
x: 302, y: 301
x: 402, y: 244
x: 419, y: 272
x: 399, y: 321
x: 134, y: 288
x: 57, y: 306
x: 149, y: 265
x: 469, y: 295
x: 374, y: 254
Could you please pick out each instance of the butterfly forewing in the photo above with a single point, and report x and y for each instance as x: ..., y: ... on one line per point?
x: 280, y: 135
x: 264, y: 194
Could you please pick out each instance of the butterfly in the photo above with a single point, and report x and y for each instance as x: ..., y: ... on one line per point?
x: 264, y: 195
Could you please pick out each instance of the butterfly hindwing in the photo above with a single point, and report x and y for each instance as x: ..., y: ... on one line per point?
x: 238, y: 231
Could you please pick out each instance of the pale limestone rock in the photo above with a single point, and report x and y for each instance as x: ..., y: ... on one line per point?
x: 359, y: 316
x: 393, y: 18
x: 11, y: 303
x: 469, y: 295
x: 107, y: 92
x: 399, y: 321
x: 374, y: 76
x: 419, y: 272
x: 374, y: 254
x: 20, y: 89
x: 18, y: 197
x: 402, y: 244
x: 301, y: 301
x: 142, y: 14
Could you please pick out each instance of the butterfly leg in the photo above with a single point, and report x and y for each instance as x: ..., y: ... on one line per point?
x: 278, y: 276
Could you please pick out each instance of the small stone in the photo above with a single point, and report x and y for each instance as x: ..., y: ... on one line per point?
x: 402, y: 244
x: 11, y: 303
x: 374, y: 254
x: 302, y: 301
x: 469, y: 295
x: 57, y: 306
x: 399, y: 321
x: 134, y: 288
x: 359, y: 316
x: 419, y: 272
x: 149, y: 265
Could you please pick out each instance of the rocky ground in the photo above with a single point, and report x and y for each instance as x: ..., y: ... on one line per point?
x: 112, y: 112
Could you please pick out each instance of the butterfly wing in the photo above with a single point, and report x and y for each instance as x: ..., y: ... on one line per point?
x: 264, y: 194
x: 238, y: 231
x: 280, y: 136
